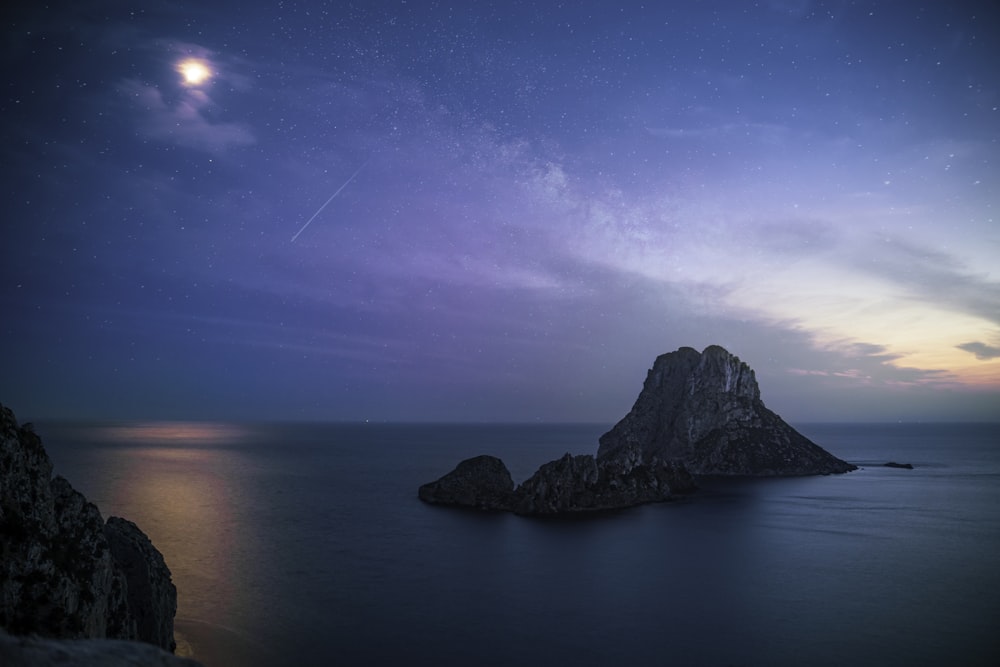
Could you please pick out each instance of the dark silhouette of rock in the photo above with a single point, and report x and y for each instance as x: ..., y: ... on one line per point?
x: 572, y: 484
x: 64, y: 572
x: 893, y: 464
x: 575, y: 484
x: 705, y: 410
x: 152, y: 596
x: 482, y: 482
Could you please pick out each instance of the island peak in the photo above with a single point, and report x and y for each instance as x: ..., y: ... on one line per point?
x: 705, y: 409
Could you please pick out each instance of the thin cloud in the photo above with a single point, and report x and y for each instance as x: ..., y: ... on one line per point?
x: 852, y: 363
x: 982, y: 351
x: 933, y: 276
x: 185, y: 122
x: 770, y: 133
x: 797, y: 238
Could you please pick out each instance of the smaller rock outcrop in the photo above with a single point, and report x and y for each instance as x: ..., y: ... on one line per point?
x: 893, y: 464
x: 151, y: 595
x: 482, y: 482
x: 575, y: 484
x: 569, y: 485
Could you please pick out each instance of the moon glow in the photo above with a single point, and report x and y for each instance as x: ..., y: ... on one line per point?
x: 194, y: 72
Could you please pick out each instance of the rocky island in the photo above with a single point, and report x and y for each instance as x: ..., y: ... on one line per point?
x: 697, y: 414
x: 66, y: 574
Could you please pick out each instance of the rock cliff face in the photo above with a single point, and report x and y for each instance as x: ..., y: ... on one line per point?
x: 64, y: 572
x: 151, y: 595
x: 705, y: 410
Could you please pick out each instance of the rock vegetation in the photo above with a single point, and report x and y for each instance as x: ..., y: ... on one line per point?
x: 697, y: 414
x: 65, y: 572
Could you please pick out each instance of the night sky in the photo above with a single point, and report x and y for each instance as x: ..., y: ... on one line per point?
x: 503, y: 211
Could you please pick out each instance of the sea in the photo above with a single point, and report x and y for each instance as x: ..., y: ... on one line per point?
x: 306, y: 545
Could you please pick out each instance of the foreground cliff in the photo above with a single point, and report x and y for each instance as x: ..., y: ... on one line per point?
x: 705, y: 410
x: 697, y: 414
x: 64, y: 571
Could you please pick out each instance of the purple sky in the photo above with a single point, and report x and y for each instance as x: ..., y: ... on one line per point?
x: 545, y: 197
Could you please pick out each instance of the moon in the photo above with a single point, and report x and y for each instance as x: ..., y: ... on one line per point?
x: 194, y: 72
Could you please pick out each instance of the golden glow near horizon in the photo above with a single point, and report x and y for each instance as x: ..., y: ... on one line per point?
x: 194, y: 71
x: 185, y: 433
x: 841, y: 309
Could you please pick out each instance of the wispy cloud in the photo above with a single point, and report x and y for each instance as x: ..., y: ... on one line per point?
x: 982, y: 351
x: 185, y: 121
x: 796, y: 237
x: 929, y: 276
x: 770, y: 133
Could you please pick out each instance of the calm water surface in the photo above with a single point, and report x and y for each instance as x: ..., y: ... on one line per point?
x: 304, y: 544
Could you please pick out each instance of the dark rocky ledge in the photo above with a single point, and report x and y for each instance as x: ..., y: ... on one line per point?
x: 65, y: 573
x: 41, y: 652
x: 893, y: 464
x: 697, y: 414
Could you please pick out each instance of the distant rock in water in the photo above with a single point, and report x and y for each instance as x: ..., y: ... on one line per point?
x: 705, y: 410
x: 482, y: 482
x: 893, y: 464
x: 65, y: 572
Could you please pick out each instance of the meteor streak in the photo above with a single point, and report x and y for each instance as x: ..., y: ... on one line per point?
x: 320, y: 210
